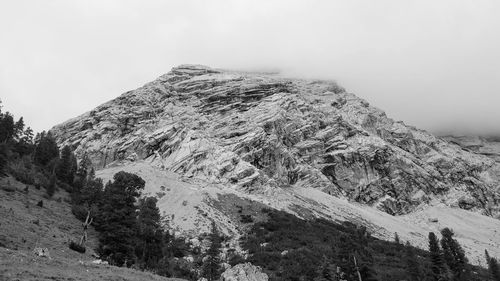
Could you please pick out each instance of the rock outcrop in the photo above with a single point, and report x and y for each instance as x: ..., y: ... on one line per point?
x: 244, y: 272
x: 256, y: 133
x: 487, y: 146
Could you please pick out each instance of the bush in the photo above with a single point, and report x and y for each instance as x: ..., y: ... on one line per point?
x: 77, y: 247
x: 20, y: 173
x: 246, y: 218
x: 40, y: 204
x: 79, y: 211
x: 65, y: 186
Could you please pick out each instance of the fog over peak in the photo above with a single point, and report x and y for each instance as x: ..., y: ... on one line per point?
x: 432, y: 64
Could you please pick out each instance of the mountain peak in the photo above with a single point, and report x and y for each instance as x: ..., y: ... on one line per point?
x: 294, y: 144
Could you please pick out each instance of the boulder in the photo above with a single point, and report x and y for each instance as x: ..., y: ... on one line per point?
x: 244, y: 272
x: 41, y: 252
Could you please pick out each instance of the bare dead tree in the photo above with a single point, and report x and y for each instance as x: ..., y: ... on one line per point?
x: 86, y: 225
x: 357, y: 268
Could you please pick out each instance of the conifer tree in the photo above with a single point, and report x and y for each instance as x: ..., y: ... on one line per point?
x: 82, y: 172
x: 149, y: 234
x: 344, y: 257
x: 211, y: 265
x: 19, y: 128
x: 367, y: 273
x: 396, y: 238
x: 7, y: 127
x: 117, y: 218
x: 66, y: 167
x: 438, y: 268
x: 412, y: 266
x: 493, y: 268
x: 454, y: 256
x: 326, y: 271
x: 46, y: 149
x: 3, y: 160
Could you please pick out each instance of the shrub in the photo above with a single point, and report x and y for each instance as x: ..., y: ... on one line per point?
x: 65, y: 186
x: 246, y: 218
x: 40, y: 204
x: 79, y: 211
x: 77, y: 247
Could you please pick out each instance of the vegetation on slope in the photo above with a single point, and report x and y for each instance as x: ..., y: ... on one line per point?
x: 289, y: 248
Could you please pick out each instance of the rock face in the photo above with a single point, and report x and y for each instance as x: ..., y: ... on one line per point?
x: 257, y: 133
x: 487, y: 146
x: 244, y: 272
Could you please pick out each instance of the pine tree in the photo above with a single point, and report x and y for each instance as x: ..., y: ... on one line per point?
x: 396, y: 238
x: 326, y: 271
x: 367, y: 273
x: 454, y: 256
x: 438, y: 268
x: 493, y: 267
x: 82, y: 172
x: 412, y: 266
x: 149, y: 234
x: 344, y: 257
x: 117, y: 218
x: 66, y: 167
x: 211, y: 266
x: 46, y: 149
x: 7, y: 127
x: 19, y: 129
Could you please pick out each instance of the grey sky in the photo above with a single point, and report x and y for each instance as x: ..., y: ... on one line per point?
x: 433, y: 64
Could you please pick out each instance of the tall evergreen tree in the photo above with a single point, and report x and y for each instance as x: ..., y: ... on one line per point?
x: 211, y: 266
x: 3, y: 160
x: 367, y: 273
x: 117, y: 218
x: 149, y: 234
x: 7, y: 127
x: 67, y: 166
x: 82, y: 172
x: 326, y: 271
x: 19, y: 129
x: 493, y: 267
x: 438, y: 268
x: 345, y: 257
x: 46, y: 149
x: 412, y: 266
x: 454, y: 256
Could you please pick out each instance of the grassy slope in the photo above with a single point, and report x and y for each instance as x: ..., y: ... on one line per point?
x: 24, y: 226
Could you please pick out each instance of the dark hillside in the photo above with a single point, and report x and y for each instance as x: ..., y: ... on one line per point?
x: 289, y: 248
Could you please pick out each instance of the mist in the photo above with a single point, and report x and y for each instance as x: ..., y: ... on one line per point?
x: 432, y: 64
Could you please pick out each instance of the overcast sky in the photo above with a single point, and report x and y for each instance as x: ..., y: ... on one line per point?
x: 433, y: 64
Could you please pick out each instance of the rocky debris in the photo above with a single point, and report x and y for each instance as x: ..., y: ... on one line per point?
x: 244, y: 272
x: 41, y: 252
x: 256, y: 132
x: 100, y: 262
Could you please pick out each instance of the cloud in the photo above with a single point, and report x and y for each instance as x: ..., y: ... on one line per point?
x: 433, y: 64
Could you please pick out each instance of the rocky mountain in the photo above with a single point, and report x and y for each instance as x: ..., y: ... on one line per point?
x: 488, y: 146
x: 214, y: 143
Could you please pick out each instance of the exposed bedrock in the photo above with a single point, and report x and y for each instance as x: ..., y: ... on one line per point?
x: 257, y: 132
